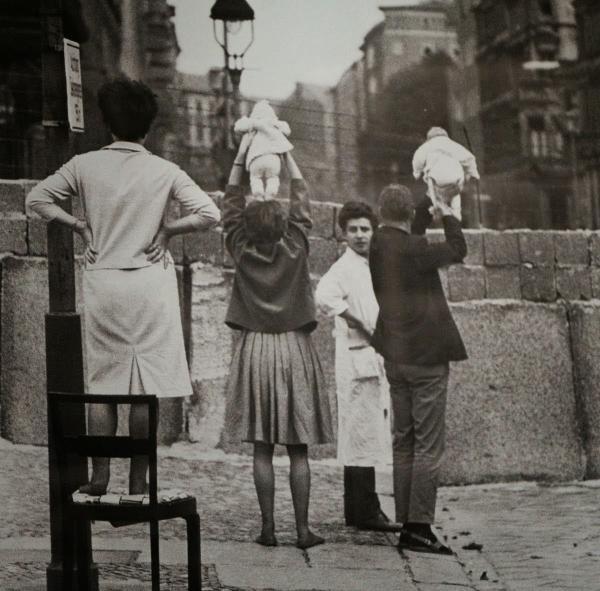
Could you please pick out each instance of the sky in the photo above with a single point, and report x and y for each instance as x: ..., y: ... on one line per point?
x: 310, y: 41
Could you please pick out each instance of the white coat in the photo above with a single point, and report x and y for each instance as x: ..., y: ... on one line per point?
x: 364, y: 433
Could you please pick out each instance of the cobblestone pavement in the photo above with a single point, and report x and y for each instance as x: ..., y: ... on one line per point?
x: 508, y: 537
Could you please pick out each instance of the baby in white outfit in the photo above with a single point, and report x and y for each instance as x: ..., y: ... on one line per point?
x: 445, y: 166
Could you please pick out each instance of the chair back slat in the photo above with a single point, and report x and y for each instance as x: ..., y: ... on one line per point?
x: 107, y: 447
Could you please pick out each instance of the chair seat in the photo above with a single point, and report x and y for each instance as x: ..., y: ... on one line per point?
x: 128, y: 509
x: 119, y: 498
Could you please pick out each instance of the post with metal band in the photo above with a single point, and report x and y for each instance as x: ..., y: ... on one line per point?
x: 64, y: 357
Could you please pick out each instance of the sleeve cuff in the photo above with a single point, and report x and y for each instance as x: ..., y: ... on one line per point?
x: 234, y: 190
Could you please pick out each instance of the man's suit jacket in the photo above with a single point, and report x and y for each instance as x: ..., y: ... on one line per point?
x: 415, y: 325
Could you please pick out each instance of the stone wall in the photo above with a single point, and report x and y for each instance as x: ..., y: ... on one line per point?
x: 525, y: 404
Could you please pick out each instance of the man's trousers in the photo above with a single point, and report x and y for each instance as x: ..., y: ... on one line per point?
x: 418, y: 394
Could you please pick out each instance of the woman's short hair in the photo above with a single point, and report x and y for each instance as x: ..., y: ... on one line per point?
x: 396, y: 203
x: 265, y: 221
x: 352, y: 210
x: 128, y: 108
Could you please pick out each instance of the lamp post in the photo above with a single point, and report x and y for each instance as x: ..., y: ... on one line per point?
x: 233, y: 15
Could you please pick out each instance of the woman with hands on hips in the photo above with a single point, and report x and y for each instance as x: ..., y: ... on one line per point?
x: 134, y: 338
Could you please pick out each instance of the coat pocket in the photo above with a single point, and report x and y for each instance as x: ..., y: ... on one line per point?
x: 364, y: 363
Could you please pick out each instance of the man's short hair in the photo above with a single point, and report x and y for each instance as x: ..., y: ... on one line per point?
x: 436, y: 131
x: 396, y: 203
x: 352, y: 210
x: 265, y: 221
x: 128, y: 107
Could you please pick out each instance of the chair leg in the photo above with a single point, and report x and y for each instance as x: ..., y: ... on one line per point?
x: 68, y: 551
x: 154, y: 555
x: 83, y: 559
x: 194, y: 557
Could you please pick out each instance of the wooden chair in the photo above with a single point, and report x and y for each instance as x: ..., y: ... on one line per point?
x: 77, y: 514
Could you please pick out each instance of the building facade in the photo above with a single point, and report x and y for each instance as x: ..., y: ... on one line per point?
x: 132, y: 37
x: 524, y: 109
x: 588, y: 85
x: 309, y: 112
x: 372, y: 144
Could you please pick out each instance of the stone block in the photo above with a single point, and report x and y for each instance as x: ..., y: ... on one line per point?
x: 37, y: 242
x: 466, y: 283
x: 595, y: 280
x: 205, y: 412
x: 204, y: 246
x: 12, y: 196
x: 325, y: 344
x: 538, y: 283
x: 503, y: 283
x: 23, y: 355
x: 474, y: 240
x: 501, y: 248
x: 511, y: 406
x: 571, y: 248
x: 536, y: 248
x: 594, y: 245
x: 585, y: 331
x: 210, y: 338
x: 574, y: 283
x: 323, y: 253
x: 323, y: 216
x: 13, y: 233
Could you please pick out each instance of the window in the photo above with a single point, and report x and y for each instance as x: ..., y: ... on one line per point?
x: 538, y: 137
x: 545, y: 7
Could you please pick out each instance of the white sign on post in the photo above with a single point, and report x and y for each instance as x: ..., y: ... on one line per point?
x: 74, y: 87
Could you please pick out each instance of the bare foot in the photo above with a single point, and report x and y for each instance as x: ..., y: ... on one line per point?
x: 138, y: 488
x: 309, y: 540
x: 266, y: 540
x: 94, y: 489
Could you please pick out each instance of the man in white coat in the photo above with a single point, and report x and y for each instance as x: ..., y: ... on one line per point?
x: 364, y: 434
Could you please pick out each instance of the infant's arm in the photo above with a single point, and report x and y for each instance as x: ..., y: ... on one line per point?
x: 243, y: 125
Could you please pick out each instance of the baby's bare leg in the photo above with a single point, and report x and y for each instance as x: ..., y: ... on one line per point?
x: 272, y: 187
x: 257, y: 187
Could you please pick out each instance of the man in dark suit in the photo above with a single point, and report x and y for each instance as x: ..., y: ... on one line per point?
x: 417, y: 337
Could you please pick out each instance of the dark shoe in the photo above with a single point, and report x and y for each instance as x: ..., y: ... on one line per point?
x: 418, y: 543
x: 380, y: 522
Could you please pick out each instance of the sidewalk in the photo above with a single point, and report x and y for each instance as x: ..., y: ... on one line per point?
x: 523, y: 536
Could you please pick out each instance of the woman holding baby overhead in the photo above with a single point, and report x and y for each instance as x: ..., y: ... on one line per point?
x: 276, y: 389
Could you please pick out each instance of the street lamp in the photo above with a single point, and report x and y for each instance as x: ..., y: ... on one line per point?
x: 233, y: 14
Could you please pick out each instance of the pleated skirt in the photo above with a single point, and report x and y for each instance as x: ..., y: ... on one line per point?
x: 276, y: 391
x: 133, y: 332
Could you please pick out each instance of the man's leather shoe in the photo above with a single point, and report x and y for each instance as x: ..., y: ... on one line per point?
x: 380, y: 522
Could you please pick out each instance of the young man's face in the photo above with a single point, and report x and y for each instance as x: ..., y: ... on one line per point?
x: 358, y: 235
